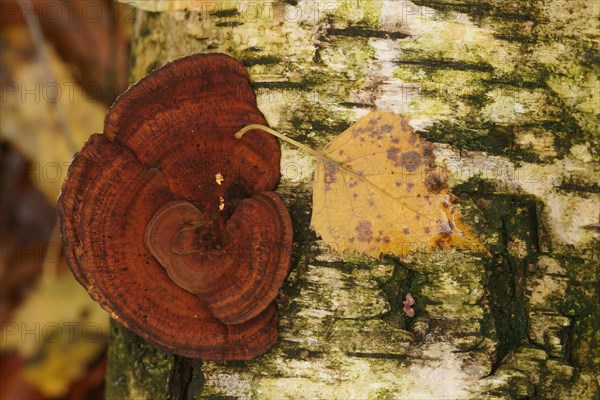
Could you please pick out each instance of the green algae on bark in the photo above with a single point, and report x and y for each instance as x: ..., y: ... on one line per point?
x: 510, y: 89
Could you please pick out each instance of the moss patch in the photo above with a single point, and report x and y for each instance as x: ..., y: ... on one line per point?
x: 146, y: 369
x: 510, y: 227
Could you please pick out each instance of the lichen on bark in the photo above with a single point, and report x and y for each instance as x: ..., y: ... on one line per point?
x: 508, y: 95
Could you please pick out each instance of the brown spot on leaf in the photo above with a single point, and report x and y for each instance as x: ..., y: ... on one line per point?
x: 357, y: 131
x: 365, y: 231
x: 428, y: 152
x: 393, y: 154
x: 410, y: 161
x: 405, y: 125
x: 435, y: 184
x: 331, y: 171
x: 381, y: 132
x: 443, y: 239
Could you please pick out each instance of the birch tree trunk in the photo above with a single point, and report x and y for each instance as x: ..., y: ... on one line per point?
x: 509, y: 93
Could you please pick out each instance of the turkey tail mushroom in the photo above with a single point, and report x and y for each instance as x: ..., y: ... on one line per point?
x: 190, y: 263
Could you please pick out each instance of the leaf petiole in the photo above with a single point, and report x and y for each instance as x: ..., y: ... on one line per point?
x: 273, y: 132
x: 317, y: 154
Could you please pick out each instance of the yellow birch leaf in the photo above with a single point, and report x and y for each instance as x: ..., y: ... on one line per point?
x: 377, y: 191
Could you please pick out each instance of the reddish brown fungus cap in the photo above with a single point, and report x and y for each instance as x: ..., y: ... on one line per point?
x: 237, y: 274
x: 151, y: 182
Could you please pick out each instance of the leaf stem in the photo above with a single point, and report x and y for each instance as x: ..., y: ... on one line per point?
x: 273, y: 132
x: 317, y: 154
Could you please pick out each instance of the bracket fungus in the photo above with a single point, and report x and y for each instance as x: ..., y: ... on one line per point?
x: 190, y: 263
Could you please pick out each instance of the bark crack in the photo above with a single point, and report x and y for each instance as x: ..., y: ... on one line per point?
x: 182, y: 372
